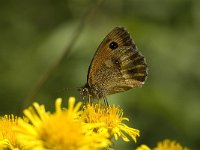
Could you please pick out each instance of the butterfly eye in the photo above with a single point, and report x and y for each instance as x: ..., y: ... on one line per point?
x: 113, y: 45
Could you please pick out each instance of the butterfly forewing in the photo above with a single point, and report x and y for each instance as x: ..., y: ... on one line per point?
x: 116, y: 66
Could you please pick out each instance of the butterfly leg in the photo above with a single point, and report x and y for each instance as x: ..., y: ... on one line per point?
x: 84, y: 101
x: 89, y: 97
x: 105, y: 101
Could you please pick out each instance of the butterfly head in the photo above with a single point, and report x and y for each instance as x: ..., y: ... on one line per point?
x: 91, y: 92
x: 84, y: 91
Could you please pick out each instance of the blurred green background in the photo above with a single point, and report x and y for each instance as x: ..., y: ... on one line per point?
x: 35, y: 33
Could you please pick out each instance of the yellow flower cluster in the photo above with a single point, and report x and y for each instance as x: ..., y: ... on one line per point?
x: 63, y: 129
x: 77, y: 127
x: 164, y: 145
x: 7, y: 135
x: 112, y: 118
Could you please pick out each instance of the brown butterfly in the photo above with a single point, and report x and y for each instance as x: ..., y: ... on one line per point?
x: 117, y: 66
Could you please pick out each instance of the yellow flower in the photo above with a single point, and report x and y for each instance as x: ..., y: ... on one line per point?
x: 169, y: 145
x: 7, y: 135
x: 164, y: 145
x: 143, y: 147
x: 60, y: 130
x: 112, y: 118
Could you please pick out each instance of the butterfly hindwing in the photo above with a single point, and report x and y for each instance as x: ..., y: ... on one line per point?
x: 117, y: 65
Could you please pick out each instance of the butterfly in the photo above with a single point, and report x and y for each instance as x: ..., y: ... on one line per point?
x: 117, y: 66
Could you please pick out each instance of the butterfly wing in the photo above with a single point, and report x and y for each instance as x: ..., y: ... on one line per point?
x: 117, y: 65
